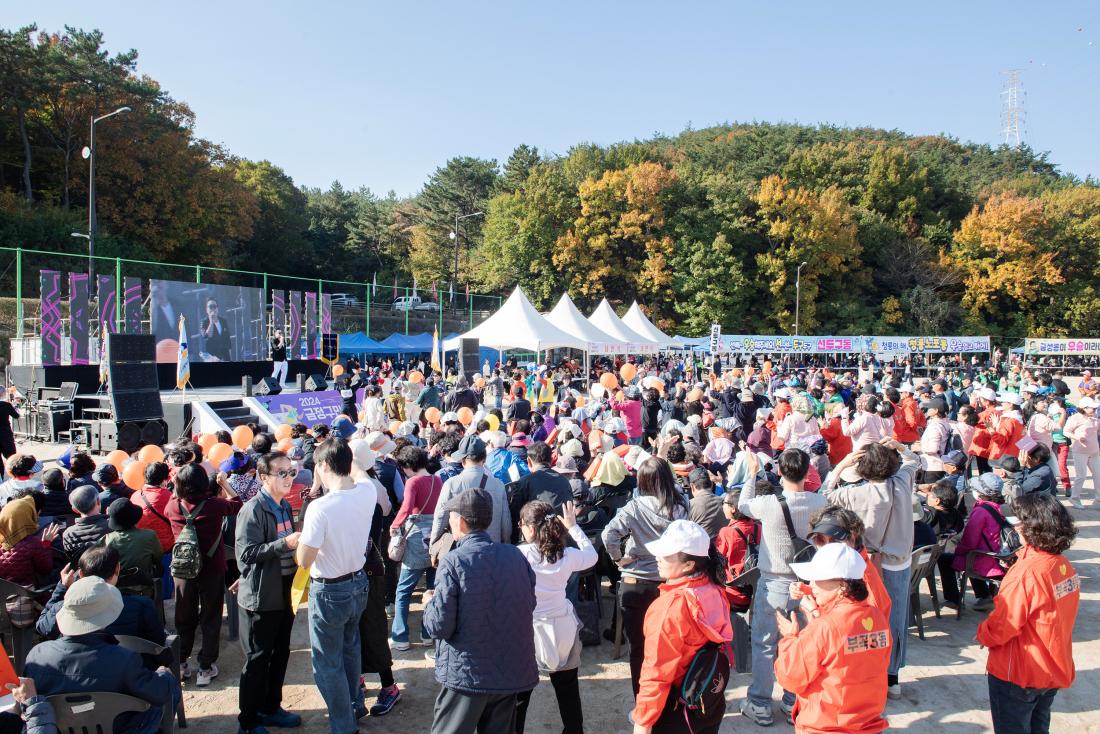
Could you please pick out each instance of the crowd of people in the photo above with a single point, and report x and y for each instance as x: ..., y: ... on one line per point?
x: 753, y: 506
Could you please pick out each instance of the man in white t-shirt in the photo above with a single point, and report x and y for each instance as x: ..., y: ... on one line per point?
x: 333, y: 546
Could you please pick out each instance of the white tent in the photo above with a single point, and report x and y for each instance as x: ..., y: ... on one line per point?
x: 518, y: 325
x: 566, y: 317
x: 637, y: 321
x: 605, y: 319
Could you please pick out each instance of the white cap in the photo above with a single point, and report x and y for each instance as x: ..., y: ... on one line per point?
x: 449, y: 417
x: 832, y: 561
x: 783, y: 393
x: 1087, y: 403
x: 906, y: 387
x: 1009, y: 397
x: 681, y: 536
x: 1030, y: 388
x: 987, y: 393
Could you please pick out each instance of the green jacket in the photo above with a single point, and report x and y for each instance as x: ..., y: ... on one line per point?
x: 140, y: 561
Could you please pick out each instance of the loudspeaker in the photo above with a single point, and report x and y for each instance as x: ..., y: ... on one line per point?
x: 268, y: 386
x: 316, y: 383
x: 103, y: 436
x: 132, y: 379
x: 129, y: 436
x: 469, y: 356
x: 177, y: 416
x: 131, y: 348
x: 136, y: 405
x: 246, y: 386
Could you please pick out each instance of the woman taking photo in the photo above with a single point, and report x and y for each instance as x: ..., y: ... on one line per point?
x: 837, y: 665
x: 642, y: 520
x: 690, y: 617
x: 1030, y: 631
x: 414, y: 523
x: 557, y: 629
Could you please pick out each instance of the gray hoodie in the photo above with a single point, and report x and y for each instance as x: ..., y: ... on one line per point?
x: 639, y: 522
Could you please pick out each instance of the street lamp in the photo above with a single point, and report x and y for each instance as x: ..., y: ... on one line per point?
x: 454, y: 236
x: 797, y: 295
x: 89, y: 153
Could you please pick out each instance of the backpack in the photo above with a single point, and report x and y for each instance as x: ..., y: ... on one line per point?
x: 186, y: 553
x: 1008, y: 539
x: 954, y: 443
x: 703, y: 686
x: 752, y: 550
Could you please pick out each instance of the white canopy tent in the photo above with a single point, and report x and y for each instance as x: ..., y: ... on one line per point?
x: 518, y: 325
x: 637, y: 321
x: 569, y: 319
x: 605, y: 319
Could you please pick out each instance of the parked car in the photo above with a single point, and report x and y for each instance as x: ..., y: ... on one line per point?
x: 344, y: 299
x: 413, y: 303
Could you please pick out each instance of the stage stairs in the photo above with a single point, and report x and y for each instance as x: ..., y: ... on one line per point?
x: 233, y: 412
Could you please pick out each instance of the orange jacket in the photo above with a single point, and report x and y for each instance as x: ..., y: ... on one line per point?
x: 1003, y: 439
x: 689, y: 613
x: 837, y: 667
x: 1030, y: 632
x: 907, y: 419
x: 777, y: 416
x: 982, y: 444
x: 876, y: 589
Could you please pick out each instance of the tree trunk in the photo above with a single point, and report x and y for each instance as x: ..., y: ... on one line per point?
x: 27, y: 192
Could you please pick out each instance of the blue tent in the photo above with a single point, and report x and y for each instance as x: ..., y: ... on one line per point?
x: 359, y: 343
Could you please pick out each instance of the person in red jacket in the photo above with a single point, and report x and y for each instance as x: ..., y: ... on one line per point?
x: 988, y: 414
x: 781, y: 410
x: 837, y: 665
x: 908, y: 418
x: 1008, y: 428
x: 840, y: 445
x: 1030, y: 631
x: 691, y: 613
x: 733, y: 543
x: 840, y: 525
x: 152, y: 499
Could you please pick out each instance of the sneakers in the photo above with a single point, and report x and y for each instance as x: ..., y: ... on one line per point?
x: 759, y: 715
x: 387, y: 699
x: 186, y: 670
x: 893, y: 691
x: 1076, y: 503
x: 399, y: 645
x: 983, y: 605
x: 429, y: 655
x: 206, y: 675
x: 281, y: 718
x: 258, y: 729
x: 787, y: 709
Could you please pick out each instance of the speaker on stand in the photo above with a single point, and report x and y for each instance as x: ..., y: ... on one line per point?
x: 268, y: 386
x: 316, y: 383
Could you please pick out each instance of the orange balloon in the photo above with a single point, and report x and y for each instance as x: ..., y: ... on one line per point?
x: 285, y: 445
x: 167, y: 350
x: 219, y: 453
x: 432, y: 414
x: 628, y: 371
x: 394, y: 426
x: 416, y: 376
x: 117, y: 458
x: 337, y: 370
x: 134, y: 475
x: 609, y: 381
x: 150, y: 454
x: 242, y: 437
x: 465, y: 416
x: 207, y: 441
x: 283, y: 431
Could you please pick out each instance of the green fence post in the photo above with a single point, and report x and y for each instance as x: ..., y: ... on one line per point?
x: 119, y: 292
x: 471, y: 304
x: 19, y: 292
x: 265, y: 288
x: 198, y: 273
x: 406, y: 313
x: 368, y: 312
x: 320, y: 308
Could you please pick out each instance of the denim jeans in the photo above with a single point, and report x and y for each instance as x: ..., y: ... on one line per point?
x: 406, y: 583
x: 151, y: 719
x: 1017, y: 710
x: 772, y: 594
x: 897, y: 588
x: 334, y: 611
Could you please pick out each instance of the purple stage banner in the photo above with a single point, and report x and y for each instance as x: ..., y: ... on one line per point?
x: 107, y: 295
x: 294, y: 340
x: 51, y: 317
x: 78, y: 317
x: 311, y: 324
x: 306, y: 407
x: 326, y: 313
x: 131, y: 305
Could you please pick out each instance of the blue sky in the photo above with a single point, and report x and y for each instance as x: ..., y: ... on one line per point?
x: 380, y: 94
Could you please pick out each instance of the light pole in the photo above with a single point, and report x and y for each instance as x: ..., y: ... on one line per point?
x: 454, y: 236
x: 89, y: 153
x: 797, y: 295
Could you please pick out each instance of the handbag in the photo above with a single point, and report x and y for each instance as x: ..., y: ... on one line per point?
x: 804, y: 550
x: 398, y: 541
x: 405, y: 544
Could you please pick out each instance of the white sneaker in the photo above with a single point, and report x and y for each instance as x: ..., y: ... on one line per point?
x: 206, y: 675
x: 759, y: 715
x: 400, y: 646
x: 894, y: 691
x: 186, y: 670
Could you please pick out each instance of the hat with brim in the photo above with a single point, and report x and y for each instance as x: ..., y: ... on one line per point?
x: 123, y: 514
x: 832, y: 530
x: 1011, y: 398
x: 380, y: 443
x: 474, y: 505
x: 566, y: 465
x: 832, y: 562
x: 91, y: 604
x: 681, y: 536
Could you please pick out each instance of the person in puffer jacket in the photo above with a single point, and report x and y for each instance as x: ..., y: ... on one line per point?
x: 642, y: 520
x: 691, y: 612
x: 480, y: 616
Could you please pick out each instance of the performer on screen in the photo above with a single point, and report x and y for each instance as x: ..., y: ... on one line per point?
x: 215, y: 332
x: 278, y: 357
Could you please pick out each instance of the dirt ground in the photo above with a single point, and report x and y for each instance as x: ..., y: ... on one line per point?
x: 943, y: 685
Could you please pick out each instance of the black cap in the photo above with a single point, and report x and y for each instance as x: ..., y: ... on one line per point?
x: 475, y: 506
x: 832, y: 530
x: 1007, y: 463
x: 470, y: 447
x: 123, y: 514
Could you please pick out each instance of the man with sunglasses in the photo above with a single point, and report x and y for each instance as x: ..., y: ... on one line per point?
x: 265, y: 544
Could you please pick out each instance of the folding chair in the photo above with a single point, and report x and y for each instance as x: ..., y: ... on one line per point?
x: 145, y: 647
x: 89, y: 713
x: 970, y: 573
x: 922, y: 563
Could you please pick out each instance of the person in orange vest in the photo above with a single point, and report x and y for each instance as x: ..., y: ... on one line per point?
x: 907, y: 415
x: 1008, y: 428
x: 1030, y: 631
x: 981, y: 444
x: 837, y: 665
x: 691, y: 613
